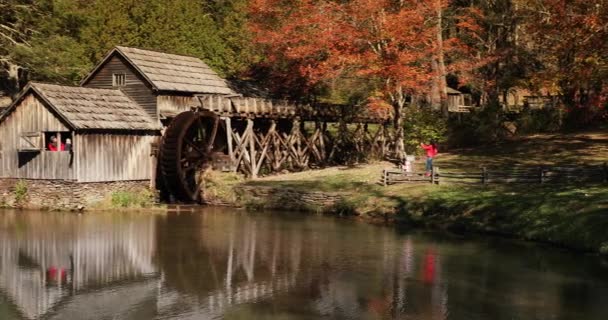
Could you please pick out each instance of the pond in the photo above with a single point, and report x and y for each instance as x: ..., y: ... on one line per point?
x: 230, y: 264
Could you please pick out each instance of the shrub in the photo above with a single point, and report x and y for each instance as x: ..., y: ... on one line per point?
x: 129, y: 199
x: 343, y: 208
x: 539, y: 120
x: 422, y: 125
x: 20, y: 191
x: 219, y: 187
x: 604, y: 248
x: 483, y: 125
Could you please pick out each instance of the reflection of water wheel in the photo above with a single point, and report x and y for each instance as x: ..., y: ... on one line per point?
x: 185, y: 151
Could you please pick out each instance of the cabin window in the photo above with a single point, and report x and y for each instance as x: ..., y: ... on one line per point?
x: 119, y: 79
x: 30, y: 141
x: 52, y: 140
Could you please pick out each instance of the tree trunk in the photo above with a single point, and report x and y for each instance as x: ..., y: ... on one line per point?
x: 442, y: 84
x: 399, y: 148
x: 435, y: 96
x: 398, y: 102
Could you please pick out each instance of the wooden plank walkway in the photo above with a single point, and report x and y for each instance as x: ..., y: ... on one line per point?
x: 519, y: 174
x: 247, y: 107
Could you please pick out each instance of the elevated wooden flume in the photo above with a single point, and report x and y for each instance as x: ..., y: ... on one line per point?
x: 255, y: 135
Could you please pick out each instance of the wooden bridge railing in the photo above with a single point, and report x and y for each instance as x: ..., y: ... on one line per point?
x: 248, y: 107
x: 528, y: 175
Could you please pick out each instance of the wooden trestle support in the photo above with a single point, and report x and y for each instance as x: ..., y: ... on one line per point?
x: 256, y: 136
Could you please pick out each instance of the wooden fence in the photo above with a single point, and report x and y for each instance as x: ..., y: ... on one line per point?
x: 527, y: 175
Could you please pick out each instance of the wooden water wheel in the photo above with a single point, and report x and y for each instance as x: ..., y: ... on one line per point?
x: 185, y: 152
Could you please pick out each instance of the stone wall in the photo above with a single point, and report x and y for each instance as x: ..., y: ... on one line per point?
x: 289, y: 199
x: 61, y: 194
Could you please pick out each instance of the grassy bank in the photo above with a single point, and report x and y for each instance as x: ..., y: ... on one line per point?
x: 574, y: 216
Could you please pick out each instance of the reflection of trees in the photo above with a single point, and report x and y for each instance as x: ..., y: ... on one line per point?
x: 233, y: 258
x: 203, y: 265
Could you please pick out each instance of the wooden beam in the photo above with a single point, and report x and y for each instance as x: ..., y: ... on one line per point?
x: 228, y: 125
x: 252, y: 151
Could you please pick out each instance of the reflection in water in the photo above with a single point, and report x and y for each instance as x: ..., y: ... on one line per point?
x: 228, y: 264
x: 45, y: 259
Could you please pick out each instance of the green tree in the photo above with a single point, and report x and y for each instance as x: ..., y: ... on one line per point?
x: 231, y: 18
x: 54, y: 52
x: 17, y: 25
x: 177, y: 26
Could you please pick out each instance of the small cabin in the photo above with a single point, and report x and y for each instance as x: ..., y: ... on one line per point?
x: 162, y: 84
x: 458, y: 101
x: 110, y: 135
x: 113, y: 119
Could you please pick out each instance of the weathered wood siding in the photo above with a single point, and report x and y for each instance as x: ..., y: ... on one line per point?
x: 136, y: 86
x: 31, y: 116
x: 455, y: 100
x: 172, y: 105
x: 113, y: 157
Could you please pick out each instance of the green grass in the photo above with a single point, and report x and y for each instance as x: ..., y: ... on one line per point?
x: 219, y: 187
x: 545, y: 149
x: 131, y: 199
x: 571, y: 215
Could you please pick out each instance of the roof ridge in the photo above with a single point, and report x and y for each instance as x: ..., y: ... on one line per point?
x: 36, y: 83
x: 168, y: 72
x: 158, y: 51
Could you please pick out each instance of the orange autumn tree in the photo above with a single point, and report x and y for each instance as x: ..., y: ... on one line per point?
x: 393, y: 43
x: 570, y: 40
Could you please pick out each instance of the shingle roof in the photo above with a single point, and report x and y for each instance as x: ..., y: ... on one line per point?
x: 87, y: 108
x: 170, y: 72
x: 453, y: 91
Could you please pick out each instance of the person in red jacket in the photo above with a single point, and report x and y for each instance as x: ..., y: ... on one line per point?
x: 431, y: 152
x: 55, y: 145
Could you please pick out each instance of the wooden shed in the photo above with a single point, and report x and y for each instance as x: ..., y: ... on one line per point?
x: 458, y: 101
x: 162, y: 84
x: 111, y: 135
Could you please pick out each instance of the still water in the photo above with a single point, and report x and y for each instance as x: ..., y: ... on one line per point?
x: 228, y: 264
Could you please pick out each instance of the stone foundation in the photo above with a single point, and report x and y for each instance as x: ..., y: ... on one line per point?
x: 289, y: 199
x: 61, y: 194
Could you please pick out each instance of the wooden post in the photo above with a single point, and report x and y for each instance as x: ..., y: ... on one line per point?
x: 153, y: 163
x: 252, y: 153
x: 605, y: 172
x: 484, y: 175
x: 58, y: 144
x: 436, y: 174
x: 233, y: 164
x: 384, y: 177
x: 433, y: 175
x: 541, y: 175
x: 265, y: 143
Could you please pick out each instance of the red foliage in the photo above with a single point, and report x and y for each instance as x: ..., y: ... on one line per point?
x: 378, y: 39
x: 569, y: 37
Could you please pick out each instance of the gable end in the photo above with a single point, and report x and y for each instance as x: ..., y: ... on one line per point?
x: 134, y: 84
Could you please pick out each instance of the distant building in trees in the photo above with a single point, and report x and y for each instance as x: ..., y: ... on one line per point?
x: 459, y: 102
x: 518, y: 98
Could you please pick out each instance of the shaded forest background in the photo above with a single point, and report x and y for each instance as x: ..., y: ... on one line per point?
x: 395, y: 54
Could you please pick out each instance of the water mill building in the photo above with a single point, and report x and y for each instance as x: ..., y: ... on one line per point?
x: 147, y: 119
